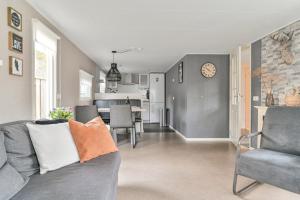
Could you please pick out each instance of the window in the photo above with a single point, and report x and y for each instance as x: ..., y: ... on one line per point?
x: 45, y: 72
x: 86, y: 85
x: 102, y: 83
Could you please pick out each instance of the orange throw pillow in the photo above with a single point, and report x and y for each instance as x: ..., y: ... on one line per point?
x: 92, y: 139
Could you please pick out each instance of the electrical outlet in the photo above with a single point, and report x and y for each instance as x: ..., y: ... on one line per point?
x: 256, y: 98
x: 1, y: 63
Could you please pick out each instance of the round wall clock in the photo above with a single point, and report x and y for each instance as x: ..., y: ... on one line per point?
x: 208, y: 70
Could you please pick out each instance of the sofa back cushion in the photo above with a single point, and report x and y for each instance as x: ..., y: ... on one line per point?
x: 3, y: 157
x: 281, y: 130
x: 19, y: 149
x: 11, y: 182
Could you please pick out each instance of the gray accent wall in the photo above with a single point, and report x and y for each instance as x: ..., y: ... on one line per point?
x: 255, y: 82
x: 200, y: 108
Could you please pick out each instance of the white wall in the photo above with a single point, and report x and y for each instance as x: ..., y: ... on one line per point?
x: 16, y: 92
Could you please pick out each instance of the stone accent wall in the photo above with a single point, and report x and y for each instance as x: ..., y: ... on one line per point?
x: 283, y: 77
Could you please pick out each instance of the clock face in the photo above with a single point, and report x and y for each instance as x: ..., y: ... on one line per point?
x: 208, y: 70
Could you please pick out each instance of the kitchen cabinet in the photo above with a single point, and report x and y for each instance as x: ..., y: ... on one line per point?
x: 129, y: 79
x: 146, y: 113
x: 144, y: 80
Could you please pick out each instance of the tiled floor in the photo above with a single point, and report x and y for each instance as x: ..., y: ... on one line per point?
x: 163, y: 166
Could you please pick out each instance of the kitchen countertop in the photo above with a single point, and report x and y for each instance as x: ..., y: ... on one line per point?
x: 112, y: 96
x: 133, y: 108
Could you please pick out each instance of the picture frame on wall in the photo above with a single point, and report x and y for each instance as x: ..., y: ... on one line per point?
x: 15, y: 66
x: 15, y: 42
x: 180, y: 72
x: 14, y: 19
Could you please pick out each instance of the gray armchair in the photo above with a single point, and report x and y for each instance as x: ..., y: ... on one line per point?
x: 277, y: 161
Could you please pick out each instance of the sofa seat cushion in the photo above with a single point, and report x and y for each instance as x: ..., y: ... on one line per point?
x: 276, y: 168
x: 96, y: 179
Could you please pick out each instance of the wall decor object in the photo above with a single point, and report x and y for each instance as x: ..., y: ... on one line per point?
x: 14, y: 19
x: 180, y: 72
x: 284, y: 37
x: 15, y: 42
x: 270, y: 99
x: 293, y: 99
x: 208, y: 70
x: 284, y: 76
x: 15, y: 66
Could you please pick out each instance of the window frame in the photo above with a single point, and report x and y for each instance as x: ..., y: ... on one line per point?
x: 38, y: 26
x: 89, y: 77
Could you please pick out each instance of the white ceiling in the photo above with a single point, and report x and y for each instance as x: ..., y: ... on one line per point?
x: 165, y: 29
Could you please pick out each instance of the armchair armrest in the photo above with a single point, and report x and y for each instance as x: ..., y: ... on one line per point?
x: 251, y: 135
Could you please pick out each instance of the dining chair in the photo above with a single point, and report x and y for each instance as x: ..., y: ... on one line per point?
x: 138, y: 120
x: 86, y: 113
x: 121, y: 117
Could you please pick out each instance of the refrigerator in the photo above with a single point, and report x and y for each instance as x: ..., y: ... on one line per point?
x: 157, y: 98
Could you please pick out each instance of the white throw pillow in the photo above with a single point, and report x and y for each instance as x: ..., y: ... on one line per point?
x: 54, y: 145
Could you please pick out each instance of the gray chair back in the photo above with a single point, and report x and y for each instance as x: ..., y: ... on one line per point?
x: 86, y: 113
x: 120, y: 116
x: 281, y: 130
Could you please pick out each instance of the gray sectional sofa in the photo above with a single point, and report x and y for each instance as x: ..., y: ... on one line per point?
x: 96, y: 179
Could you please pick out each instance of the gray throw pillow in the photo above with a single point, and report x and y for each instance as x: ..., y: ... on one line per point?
x: 11, y: 182
x: 19, y: 149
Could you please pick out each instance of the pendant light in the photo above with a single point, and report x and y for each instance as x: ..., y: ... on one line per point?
x: 113, y: 75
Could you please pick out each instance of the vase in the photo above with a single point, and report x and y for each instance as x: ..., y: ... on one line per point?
x: 269, y: 99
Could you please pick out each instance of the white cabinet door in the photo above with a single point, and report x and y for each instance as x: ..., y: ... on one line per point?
x: 146, y: 113
x: 155, y: 112
x: 144, y: 80
x: 157, y: 88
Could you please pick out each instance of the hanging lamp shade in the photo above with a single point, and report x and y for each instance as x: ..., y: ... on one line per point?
x: 113, y: 75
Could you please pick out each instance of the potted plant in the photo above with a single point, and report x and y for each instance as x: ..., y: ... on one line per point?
x: 61, y: 113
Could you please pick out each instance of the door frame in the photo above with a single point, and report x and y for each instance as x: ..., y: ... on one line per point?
x: 237, y: 122
x: 234, y: 95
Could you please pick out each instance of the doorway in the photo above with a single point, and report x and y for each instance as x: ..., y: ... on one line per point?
x: 240, y: 92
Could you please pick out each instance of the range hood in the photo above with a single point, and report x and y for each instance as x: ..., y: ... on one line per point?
x: 129, y: 79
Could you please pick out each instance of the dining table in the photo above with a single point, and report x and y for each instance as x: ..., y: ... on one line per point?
x: 133, y: 109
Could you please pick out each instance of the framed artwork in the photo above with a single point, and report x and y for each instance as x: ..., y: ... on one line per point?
x: 15, y: 42
x: 180, y: 73
x: 15, y: 66
x: 14, y: 19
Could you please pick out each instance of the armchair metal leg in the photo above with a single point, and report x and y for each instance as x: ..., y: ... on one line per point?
x: 244, y: 188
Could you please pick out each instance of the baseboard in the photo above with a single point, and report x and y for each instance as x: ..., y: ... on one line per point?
x: 199, y: 139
